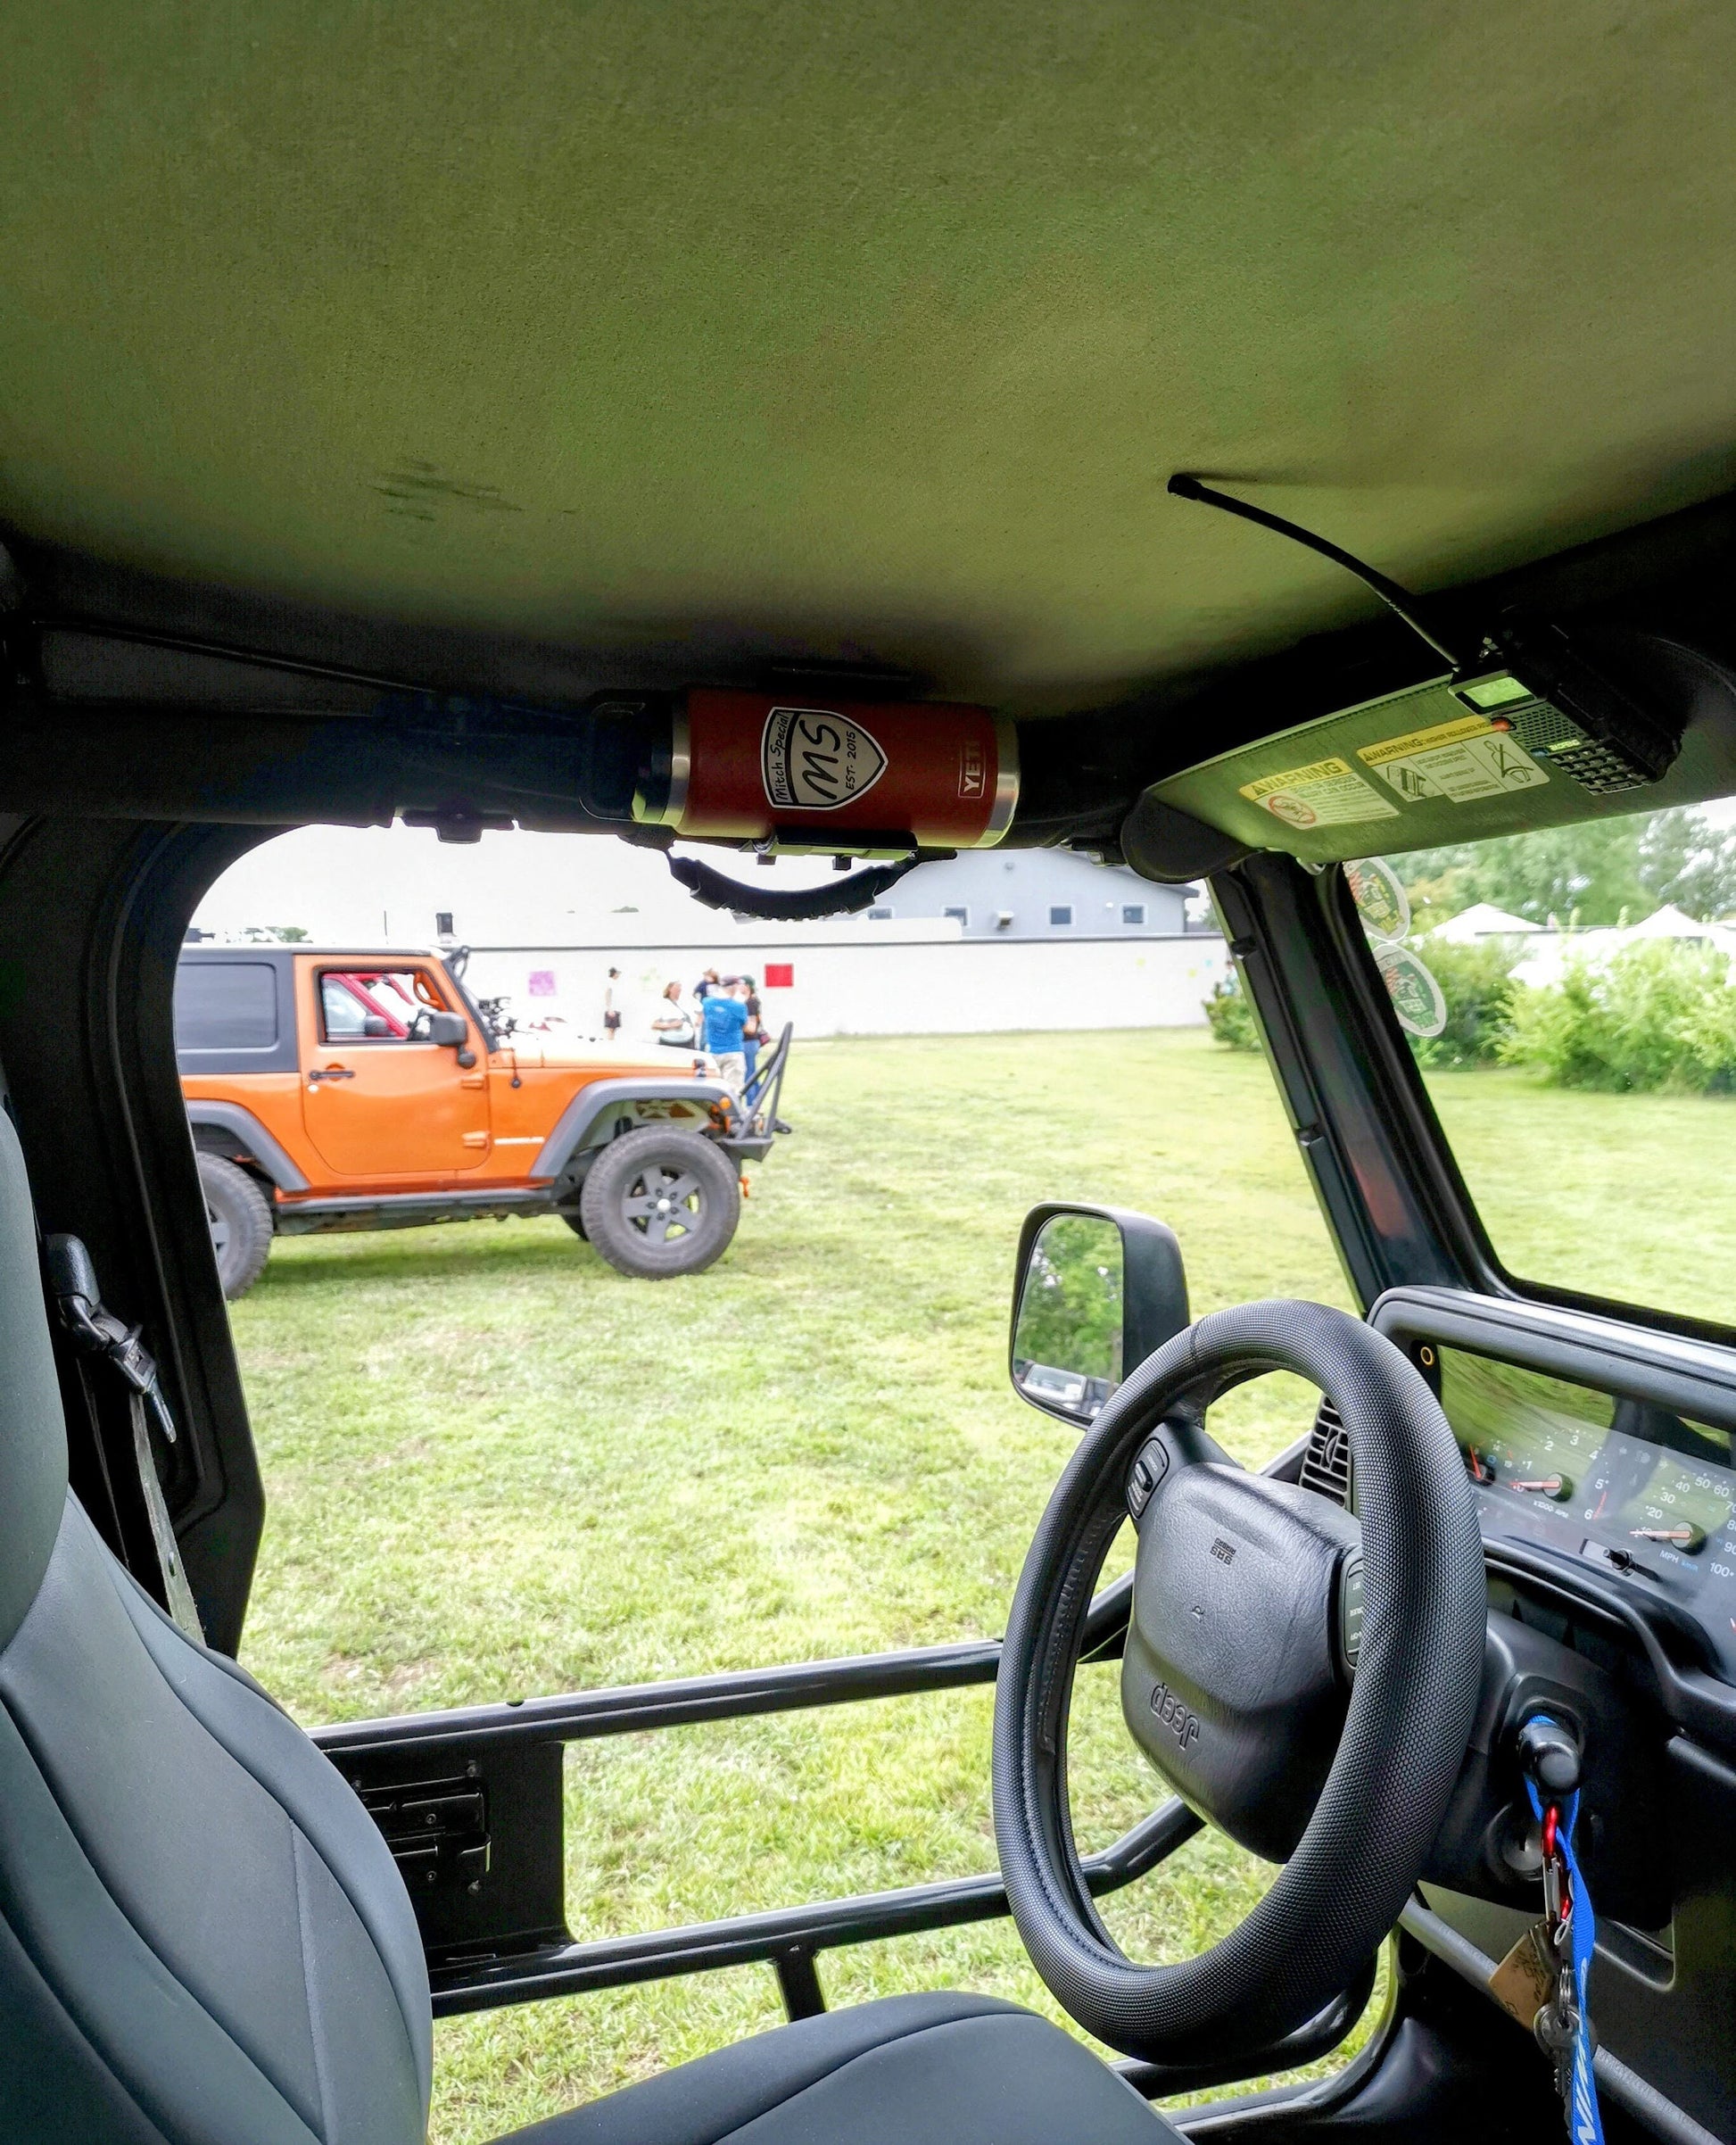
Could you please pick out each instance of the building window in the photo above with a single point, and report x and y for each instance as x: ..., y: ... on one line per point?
x: 1133, y: 912
x: 1061, y: 916
x: 879, y: 915
x: 961, y: 915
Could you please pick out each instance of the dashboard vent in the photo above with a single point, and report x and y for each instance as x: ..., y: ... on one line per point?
x: 1327, y: 1465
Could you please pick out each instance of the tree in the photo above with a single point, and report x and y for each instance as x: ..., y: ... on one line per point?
x: 1594, y: 872
x: 1685, y: 860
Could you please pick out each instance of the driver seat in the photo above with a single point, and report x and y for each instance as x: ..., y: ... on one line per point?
x: 204, y: 1940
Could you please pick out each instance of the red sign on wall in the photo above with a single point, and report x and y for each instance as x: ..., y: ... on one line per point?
x: 780, y: 975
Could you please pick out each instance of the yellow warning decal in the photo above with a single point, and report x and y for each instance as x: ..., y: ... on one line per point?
x: 1425, y: 741
x: 1327, y: 792
x: 1464, y: 761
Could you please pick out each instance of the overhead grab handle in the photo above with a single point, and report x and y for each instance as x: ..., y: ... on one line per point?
x: 844, y: 897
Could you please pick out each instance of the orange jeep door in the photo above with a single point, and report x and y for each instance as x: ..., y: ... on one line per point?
x: 378, y: 1099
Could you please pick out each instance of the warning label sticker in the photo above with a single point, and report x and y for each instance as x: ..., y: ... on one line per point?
x: 1328, y: 793
x: 1460, y: 760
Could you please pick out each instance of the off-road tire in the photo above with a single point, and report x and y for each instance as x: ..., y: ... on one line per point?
x: 240, y: 1218
x: 617, y: 1204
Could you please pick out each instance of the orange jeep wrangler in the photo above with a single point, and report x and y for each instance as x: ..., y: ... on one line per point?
x: 340, y: 1090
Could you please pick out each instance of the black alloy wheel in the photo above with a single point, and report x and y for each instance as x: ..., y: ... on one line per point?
x: 658, y: 1203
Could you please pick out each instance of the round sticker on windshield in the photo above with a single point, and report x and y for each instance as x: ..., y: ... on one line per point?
x: 1381, y: 902
x: 1416, y: 995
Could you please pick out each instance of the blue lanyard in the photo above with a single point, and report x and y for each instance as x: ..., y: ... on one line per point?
x: 1584, y: 2119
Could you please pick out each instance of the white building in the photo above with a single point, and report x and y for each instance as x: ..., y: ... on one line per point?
x: 1037, y: 894
x: 901, y: 976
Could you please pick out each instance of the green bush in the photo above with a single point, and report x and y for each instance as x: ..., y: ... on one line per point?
x: 1231, y: 1016
x: 1655, y: 1015
x: 1475, y: 981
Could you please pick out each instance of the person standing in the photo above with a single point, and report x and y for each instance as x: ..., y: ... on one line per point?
x: 753, y: 1034
x: 611, y: 1011
x: 673, y: 1024
x: 725, y: 1016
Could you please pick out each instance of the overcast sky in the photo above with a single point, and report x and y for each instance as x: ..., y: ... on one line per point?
x: 367, y: 884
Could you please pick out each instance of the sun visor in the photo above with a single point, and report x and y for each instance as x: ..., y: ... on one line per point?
x: 1455, y: 759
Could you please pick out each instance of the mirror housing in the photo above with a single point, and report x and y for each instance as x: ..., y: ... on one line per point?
x: 450, y: 1031
x: 1099, y: 1287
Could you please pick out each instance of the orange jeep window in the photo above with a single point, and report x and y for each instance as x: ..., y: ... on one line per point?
x: 375, y: 1005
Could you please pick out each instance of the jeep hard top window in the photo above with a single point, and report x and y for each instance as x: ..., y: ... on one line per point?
x: 230, y: 1006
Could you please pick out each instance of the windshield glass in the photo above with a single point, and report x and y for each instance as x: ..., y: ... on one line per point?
x: 1569, y: 997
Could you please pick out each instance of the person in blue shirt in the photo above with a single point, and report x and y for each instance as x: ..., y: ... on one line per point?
x: 754, y: 1035
x: 725, y: 1014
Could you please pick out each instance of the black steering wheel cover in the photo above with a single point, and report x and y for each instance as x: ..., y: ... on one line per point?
x: 1426, y: 1607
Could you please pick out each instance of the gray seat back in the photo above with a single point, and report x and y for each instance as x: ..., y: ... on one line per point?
x: 203, y: 1939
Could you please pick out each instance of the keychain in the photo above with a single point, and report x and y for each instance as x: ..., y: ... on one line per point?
x: 1566, y: 1938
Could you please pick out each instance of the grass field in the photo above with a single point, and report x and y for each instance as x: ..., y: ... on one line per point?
x: 496, y: 1467
x: 1621, y: 1196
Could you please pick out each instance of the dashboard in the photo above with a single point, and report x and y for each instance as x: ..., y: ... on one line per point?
x: 1600, y: 1455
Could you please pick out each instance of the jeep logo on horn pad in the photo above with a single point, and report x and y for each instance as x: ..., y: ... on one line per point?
x: 1181, y: 1720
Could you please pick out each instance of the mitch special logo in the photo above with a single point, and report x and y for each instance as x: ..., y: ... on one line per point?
x: 815, y: 759
x: 1181, y: 1720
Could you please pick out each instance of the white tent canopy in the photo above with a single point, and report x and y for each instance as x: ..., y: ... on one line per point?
x: 1671, y: 922
x: 1482, y: 920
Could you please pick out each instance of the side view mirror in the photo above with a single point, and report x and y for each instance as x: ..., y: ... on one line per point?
x: 1097, y: 1291
x: 451, y: 1030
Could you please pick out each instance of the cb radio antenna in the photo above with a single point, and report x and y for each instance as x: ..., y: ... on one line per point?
x: 1396, y: 598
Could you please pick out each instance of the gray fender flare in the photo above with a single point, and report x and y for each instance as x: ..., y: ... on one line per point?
x: 586, y: 1120
x: 252, y: 1136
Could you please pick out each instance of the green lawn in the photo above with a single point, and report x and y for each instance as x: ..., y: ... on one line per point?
x: 497, y: 1468
x: 1621, y: 1196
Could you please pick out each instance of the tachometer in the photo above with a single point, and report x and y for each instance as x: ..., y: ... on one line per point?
x: 1522, y: 1435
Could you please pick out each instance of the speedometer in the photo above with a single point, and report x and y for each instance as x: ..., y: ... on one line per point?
x: 1678, y: 1510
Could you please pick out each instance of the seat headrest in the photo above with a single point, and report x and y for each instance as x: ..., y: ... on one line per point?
x: 32, y: 1427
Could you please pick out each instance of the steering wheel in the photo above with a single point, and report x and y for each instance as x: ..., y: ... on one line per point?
x: 1303, y: 1680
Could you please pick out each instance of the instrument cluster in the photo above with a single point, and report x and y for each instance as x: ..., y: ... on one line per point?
x: 1630, y: 1486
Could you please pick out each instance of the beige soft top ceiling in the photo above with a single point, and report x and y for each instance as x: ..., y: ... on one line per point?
x: 875, y: 327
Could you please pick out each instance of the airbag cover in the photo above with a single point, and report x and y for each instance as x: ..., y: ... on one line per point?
x: 1231, y: 1682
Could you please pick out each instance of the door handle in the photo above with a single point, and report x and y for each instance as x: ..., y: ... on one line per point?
x: 330, y: 1072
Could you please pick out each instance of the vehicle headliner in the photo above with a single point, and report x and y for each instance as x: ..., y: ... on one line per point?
x: 873, y: 331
